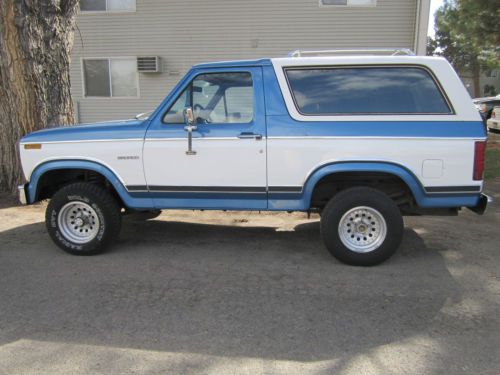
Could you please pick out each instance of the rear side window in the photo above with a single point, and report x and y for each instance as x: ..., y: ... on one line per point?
x: 365, y: 90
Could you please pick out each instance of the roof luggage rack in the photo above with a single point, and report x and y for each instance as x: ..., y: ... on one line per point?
x: 362, y: 51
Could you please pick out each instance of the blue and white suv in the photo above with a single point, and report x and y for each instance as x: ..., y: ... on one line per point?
x: 361, y: 139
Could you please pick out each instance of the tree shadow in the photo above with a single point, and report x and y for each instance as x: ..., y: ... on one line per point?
x: 220, y: 290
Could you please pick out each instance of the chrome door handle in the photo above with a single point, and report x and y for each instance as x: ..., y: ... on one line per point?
x: 250, y: 135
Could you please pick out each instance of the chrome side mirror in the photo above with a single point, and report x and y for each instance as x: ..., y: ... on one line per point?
x: 188, y: 116
x: 189, y: 120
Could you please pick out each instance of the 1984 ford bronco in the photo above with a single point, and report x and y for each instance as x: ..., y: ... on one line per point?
x: 363, y: 139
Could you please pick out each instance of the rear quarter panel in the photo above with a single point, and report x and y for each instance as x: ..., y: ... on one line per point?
x: 437, y: 149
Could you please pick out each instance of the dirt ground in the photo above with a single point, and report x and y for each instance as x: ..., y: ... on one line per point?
x: 226, y: 293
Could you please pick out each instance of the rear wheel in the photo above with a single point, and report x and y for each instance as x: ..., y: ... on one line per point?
x: 83, y: 219
x: 362, y: 226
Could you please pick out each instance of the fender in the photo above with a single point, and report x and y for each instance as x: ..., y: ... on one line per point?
x: 422, y: 198
x: 40, y: 170
x: 397, y: 170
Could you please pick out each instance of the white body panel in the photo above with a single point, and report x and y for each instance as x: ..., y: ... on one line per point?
x: 292, y: 160
x: 218, y: 162
x: 104, y: 152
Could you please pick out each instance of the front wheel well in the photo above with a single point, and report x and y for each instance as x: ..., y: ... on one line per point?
x: 392, y: 185
x: 52, y: 181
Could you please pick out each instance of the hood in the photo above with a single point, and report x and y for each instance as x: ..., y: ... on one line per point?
x: 122, y: 129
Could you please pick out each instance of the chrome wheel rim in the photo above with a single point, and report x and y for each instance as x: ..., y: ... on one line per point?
x: 362, y: 229
x: 78, y: 222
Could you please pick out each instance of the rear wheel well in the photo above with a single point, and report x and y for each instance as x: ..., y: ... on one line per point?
x: 392, y: 185
x: 51, y: 181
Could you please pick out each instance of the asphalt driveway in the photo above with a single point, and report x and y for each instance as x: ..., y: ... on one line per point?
x: 225, y: 293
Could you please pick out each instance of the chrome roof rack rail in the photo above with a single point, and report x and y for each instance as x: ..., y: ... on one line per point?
x: 361, y: 51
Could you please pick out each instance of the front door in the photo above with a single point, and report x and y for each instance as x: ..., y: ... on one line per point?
x: 228, y: 167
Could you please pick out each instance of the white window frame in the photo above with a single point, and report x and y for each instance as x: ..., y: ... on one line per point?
x: 84, y: 95
x: 348, y: 5
x: 111, y: 11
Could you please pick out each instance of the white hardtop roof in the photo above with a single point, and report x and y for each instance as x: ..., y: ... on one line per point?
x: 455, y: 92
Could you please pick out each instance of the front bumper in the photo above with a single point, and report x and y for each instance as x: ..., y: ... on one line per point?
x: 482, y: 205
x: 22, y: 194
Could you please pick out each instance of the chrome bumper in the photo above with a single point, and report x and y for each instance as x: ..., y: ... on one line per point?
x: 482, y: 205
x: 22, y: 194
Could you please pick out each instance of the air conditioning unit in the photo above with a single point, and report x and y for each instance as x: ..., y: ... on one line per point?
x: 148, y: 64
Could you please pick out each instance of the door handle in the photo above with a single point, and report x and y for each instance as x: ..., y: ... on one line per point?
x: 250, y: 135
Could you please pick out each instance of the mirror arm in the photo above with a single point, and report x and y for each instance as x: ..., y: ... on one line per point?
x: 190, y: 129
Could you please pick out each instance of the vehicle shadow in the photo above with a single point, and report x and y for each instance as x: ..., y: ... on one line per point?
x: 221, y: 290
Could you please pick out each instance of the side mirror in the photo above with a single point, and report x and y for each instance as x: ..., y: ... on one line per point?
x: 188, y: 116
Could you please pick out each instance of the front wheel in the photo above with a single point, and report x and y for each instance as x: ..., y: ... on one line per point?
x: 362, y: 226
x: 83, y: 219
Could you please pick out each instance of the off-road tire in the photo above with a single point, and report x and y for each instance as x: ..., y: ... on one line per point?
x: 105, y: 207
x: 349, y: 199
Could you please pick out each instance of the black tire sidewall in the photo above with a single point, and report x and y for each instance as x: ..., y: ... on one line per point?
x: 80, y: 193
x: 356, y: 197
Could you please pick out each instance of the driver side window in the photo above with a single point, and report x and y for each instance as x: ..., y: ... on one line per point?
x: 219, y: 98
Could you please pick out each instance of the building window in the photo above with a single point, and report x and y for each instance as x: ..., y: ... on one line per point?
x: 491, y: 73
x: 116, y: 77
x: 107, y: 5
x: 348, y: 3
x: 365, y: 90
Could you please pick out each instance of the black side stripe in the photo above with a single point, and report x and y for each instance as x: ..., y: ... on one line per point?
x: 208, y: 189
x: 285, y: 189
x: 137, y: 188
x: 452, y: 189
x: 273, y: 189
x: 216, y: 189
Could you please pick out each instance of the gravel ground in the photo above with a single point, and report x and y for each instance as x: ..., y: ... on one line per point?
x: 226, y: 293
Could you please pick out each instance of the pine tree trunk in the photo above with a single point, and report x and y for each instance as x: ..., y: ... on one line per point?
x: 36, y: 39
x: 476, y: 76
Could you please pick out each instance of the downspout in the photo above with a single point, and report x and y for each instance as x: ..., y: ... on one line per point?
x: 417, y: 27
x: 421, y: 25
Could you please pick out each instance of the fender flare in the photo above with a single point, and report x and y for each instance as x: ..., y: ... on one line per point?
x: 40, y: 170
x: 396, y: 170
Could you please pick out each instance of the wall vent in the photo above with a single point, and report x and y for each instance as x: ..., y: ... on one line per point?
x: 148, y: 64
